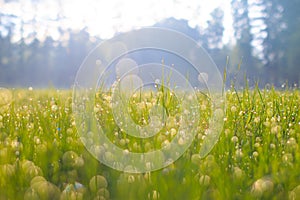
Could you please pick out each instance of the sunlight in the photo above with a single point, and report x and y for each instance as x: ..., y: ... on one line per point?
x: 105, y: 19
x: 119, y: 16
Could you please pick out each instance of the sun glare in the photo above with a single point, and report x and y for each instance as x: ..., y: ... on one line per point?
x: 104, y: 19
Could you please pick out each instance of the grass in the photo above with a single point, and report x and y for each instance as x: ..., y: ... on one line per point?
x: 257, y: 155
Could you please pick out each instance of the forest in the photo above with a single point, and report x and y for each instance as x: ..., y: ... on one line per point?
x: 265, y: 49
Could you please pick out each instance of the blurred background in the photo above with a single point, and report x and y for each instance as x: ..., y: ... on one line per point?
x: 43, y: 42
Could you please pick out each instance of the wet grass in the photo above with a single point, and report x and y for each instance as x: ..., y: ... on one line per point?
x: 257, y: 155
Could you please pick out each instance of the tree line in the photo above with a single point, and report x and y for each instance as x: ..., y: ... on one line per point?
x: 277, y: 32
x: 266, y: 47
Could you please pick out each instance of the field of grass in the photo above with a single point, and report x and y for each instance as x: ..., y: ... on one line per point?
x: 257, y: 155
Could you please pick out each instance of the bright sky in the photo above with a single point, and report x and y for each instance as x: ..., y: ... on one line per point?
x: 104, y: 18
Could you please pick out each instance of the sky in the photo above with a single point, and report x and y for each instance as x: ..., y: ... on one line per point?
x: 105, y: 18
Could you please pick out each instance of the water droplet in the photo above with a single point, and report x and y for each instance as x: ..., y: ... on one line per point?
x: 233, y: 109
x: 234, y: 139
x: 157, y: 81
x: 54, y: 108
x: 262, y: 186
x: 255, y: 154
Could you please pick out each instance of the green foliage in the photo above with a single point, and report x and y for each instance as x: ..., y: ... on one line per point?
x: 257, y: 156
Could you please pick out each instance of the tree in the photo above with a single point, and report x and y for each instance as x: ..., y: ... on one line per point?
x: 212, y: 38
x: 213, y: 34
x: 291, y: 18
x: 244, y: 38
x: 273, y: 42
x: 7, y: 49
x: 281, y: 40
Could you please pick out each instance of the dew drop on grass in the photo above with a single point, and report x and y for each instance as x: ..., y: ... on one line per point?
x: 173, y: 132
x: 233, y: 109
x: 103, y: 192
x: 97, y: 182
x: 239, y: 153
x: 238, y: 173
x: 255, y: 154
x: 196, y: 159
x: 272, y: 146
x: 181, y: 141
x: 234, y: 139
x: 256, y: 120
x: 292, y: 143
x: 37, y: 140
x: 157, y: 81
x: 54, y: 107
x: 125, y: 152
x: 166, y: 145
x: 287, y: 158
x: 261, y: 186
x: 69, y: 159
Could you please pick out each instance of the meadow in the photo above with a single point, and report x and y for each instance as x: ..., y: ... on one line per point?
x: 257, y: 155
